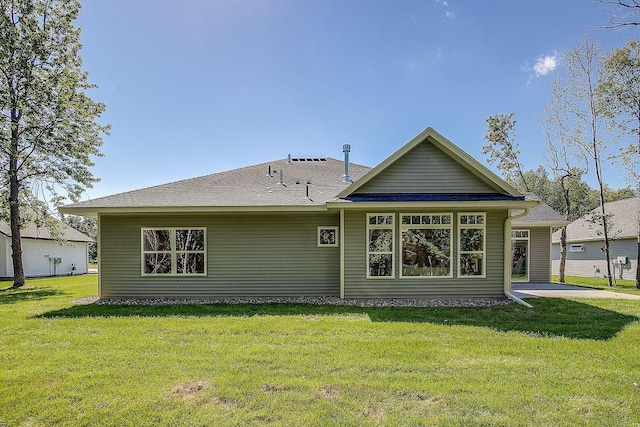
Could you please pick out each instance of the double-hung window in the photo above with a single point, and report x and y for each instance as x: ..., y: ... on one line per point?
x: 380, y: 234
x: 174, y: 251
x: 472, y: 234
x: 426, y: 245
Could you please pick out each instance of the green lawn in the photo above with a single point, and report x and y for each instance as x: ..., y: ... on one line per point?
x: 564, y: 362
x: 624, y: 286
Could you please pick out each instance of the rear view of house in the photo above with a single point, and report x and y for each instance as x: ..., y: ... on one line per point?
x: 428, y: 222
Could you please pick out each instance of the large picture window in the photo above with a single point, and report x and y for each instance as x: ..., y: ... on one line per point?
x: 472, y: 233
x: 380, y: 234
x: 426, y: 245
x: 174, y: 251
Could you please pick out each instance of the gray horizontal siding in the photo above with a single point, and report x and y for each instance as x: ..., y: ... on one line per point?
x: 425, y: 169
x: 358, y: 286
x: 585, y: 263
x: 247, y: 255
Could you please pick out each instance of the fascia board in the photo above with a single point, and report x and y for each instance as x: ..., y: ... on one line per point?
x: 492, y: 204
x: 524, y: 224
x: 93, y: 212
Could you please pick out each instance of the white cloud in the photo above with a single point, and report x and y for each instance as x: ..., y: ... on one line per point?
x: 545, y: 64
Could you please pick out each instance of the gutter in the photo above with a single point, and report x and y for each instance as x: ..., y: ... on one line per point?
x: 507, y: 256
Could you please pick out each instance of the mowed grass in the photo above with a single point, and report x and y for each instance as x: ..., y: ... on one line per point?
x: 621, y: 285
x: 563, y: 362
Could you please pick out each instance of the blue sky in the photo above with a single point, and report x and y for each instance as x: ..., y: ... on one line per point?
x: 198, y: 86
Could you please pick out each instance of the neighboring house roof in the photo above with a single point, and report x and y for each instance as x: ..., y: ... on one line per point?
x: 541, y: 215
x: 31, y: 231
x: 623, y: 216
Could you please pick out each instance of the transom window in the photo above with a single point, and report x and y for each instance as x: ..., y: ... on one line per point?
x: 174, y: 251
x: 426, y: 245
x: 471, y: 244
x: 519, y: 234
x: 380, y: 235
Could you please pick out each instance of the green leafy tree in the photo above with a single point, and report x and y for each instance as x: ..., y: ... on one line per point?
x: 576, y: 100
x: 87, y: 226
x: 503, y: 148
x: 620, y: 90
x: 48, y: 124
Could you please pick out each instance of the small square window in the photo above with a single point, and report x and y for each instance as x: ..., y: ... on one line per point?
x: 327, y: 236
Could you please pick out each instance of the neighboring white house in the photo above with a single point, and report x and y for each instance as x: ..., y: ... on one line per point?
x: 42, y: 255
x: 585, y: 244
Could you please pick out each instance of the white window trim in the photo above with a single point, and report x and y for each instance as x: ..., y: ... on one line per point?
x: 391, y: 252
x: 483, y: 226
x: 430, y: 227
x: 579, y: 247
x: 528, y: 240
x: 328, y: 245
x: 174, y: 252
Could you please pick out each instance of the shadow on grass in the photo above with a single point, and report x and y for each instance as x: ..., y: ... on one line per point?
x: 27, y: 293
x: 550, y: 317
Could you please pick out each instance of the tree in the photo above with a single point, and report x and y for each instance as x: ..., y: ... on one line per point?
x: 624, y: 15
x: 577, y: 102
x: 87, y: 226
x: 48, y: 124
x: 620, y: 91
x: 503, y: 147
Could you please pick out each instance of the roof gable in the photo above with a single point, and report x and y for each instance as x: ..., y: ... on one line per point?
x: 430, y: 164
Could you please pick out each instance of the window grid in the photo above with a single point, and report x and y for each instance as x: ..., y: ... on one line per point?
x: 472, y: 232
x: 426, y: 221
x: 177, y: 256
x: 380, y: 245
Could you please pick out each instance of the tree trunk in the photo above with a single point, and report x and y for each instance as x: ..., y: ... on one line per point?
x: 14, y: 203
x: 563, y: 254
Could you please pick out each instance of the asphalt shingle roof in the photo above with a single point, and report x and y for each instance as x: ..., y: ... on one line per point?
x: 624, y: 222
x: 542, y: 214
x: 31, y: 231
x: 244, y: 187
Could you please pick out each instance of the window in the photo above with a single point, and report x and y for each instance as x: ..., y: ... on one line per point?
x: 471, y: 232
x: 380, y: 233
x: 426, y: 245
x: 327, y: 236
x: 576, y: 248
x: 174, y: 251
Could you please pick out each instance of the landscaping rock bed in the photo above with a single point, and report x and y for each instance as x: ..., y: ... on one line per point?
x: 470, y: 302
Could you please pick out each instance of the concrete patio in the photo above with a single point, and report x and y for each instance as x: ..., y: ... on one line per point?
x: 553, y: 290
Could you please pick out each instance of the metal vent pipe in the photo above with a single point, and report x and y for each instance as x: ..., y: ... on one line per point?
x: 346, y: 149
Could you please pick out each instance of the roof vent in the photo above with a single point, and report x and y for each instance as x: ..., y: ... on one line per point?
x: 289, y: 158
x: 269, y: 174
x: 346, y: 149
x: 307, y: 196
x: 281, y: 180
x: 307, y: 159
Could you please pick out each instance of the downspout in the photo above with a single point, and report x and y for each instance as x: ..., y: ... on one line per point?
x: 341, y: 244
x: 507, y: 258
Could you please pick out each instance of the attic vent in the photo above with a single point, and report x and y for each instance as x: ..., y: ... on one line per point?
x: 308, y: 159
